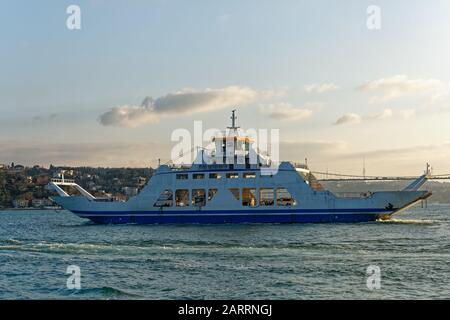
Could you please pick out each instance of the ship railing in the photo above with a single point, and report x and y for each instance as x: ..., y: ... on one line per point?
x: 300, y: 165
x: 179, y: 166
x: 55, y: 184
x: 220, y: 166
x: 353, y: 194
x: 56, y: 180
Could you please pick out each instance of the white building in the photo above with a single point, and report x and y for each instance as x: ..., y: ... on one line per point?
x: 130, y: 191
x: 21, y: 203
x: 40, y: 203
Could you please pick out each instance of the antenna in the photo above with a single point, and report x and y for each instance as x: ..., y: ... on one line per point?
x: 233, y: 120
x: 428, y: 170
x: 364, y: 167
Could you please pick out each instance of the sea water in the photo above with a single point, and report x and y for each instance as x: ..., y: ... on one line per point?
x: 230, y: 261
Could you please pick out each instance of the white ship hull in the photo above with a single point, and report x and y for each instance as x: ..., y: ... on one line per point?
x: 310, y: 205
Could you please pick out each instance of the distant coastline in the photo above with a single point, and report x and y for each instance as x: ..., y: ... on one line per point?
x: 25, y: 187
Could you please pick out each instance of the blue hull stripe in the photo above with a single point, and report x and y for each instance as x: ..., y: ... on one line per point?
x: 238, y: 216
x: 236, y: 212
x: 293, y: 218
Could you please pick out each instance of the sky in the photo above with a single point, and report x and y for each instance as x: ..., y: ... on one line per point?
x: 112, y: 92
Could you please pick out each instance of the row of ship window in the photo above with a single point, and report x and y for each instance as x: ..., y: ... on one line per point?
x: 228, y: 175
x: 249, y: 197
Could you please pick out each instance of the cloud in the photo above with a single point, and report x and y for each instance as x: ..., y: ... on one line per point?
x: 349, y: 118
x: 400, y: 153
x: 342, y: 157
x: 285, y: 111
x: 407, y: 114
x: 224, y: 17
x: 408, y: 160
x: 298, y: 150
x: 337, y: 156
x: 400, y: 86
x: 353, y: 118
x: 43, y: 117
x: 187, y: 101
x: 128, y: 116
x: 385, y: 114
x: 112, y: 154
x: 320, y: 87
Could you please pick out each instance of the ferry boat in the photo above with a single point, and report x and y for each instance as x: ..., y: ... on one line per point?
x: 215, y: 189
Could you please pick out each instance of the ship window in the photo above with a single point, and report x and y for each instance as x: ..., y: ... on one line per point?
x: 249, y: 197
x: 211, y: 193
x: 232, y: 175
x: 182, y: 176
x: 266, y: 197
x: 235, y: 192
x: 198, y: 197
x: 215, y: 176
x: 165, y: 199
x: 284, y: 198
x: 249, y: 175
x: 182, y: 198
x: 240, y: 145
x: 198, y: 176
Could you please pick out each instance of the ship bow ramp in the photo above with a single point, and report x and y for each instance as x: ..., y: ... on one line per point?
x: 397, y: 201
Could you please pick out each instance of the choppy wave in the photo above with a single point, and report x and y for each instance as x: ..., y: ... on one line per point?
x: 100, y: 292
x: 138, y: 248
x: 410, y: 221
x: 13, y: 242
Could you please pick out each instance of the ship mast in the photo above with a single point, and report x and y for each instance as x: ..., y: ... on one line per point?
x: 233, y: 120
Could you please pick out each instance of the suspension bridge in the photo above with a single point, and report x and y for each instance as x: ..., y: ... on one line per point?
x: 327, y: 176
